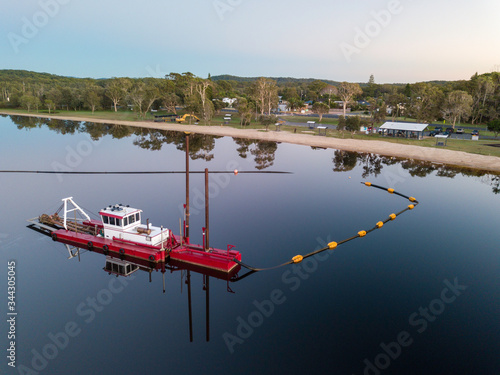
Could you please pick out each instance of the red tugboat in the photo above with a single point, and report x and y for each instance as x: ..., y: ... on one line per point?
x: 208, y: 264
x: 120, y: 232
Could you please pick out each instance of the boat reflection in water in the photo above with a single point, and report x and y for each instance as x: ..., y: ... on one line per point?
x: 124, y: 266
x: 130, y: 246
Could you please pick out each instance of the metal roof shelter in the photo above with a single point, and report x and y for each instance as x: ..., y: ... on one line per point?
x: 441, y: 139
x: 404, y: 129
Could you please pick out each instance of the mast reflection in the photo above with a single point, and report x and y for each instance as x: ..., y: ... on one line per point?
x: 124, y: 266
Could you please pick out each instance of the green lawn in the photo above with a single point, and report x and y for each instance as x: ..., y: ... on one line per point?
x: 304, y: 119
x: 474, y: 147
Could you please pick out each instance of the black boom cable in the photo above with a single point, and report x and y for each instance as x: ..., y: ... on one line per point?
x: 140, y: 172
x: 333, y: 245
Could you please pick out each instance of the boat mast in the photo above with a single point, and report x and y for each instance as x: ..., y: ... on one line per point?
x: 186, y: 230
x: 206, y: 211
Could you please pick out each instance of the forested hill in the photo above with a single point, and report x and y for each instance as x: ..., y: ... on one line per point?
x: 30, y: 78
x: 16, y: 75
x: 9, y: 75
x: 279, y: 80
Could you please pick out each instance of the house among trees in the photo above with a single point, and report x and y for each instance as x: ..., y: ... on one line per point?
x: 229, y: 101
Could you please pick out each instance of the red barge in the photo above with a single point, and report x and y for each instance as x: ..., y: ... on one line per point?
x: 121, y: 233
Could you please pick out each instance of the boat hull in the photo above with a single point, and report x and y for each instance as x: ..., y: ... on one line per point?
x: 214, y: 259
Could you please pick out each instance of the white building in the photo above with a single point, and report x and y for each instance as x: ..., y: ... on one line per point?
x: 229, y: 101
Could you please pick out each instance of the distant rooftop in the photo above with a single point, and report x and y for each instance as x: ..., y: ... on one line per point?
x: 408, y: 126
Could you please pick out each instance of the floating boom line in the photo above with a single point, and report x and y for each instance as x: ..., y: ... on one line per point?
x: 334, y: 245
x: 142, y: 172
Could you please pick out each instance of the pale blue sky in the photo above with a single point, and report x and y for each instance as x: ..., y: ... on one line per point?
x: 404, y: 41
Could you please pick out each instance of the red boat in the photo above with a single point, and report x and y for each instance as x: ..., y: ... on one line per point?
x: 120, y: 232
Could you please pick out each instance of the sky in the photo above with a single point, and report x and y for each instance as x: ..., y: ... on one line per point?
x: 398, y: 41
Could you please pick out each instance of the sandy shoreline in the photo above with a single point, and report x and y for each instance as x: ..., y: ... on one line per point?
x: 456, y: 158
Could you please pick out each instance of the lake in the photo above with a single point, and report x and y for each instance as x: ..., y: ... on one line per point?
x: 418, y: 296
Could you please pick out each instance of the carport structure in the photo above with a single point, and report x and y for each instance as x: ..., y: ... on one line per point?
x: 403, y: 129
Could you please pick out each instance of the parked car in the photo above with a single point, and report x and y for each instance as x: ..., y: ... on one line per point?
x: 449, y: 130
x: 475, y: 132
x: 437, y: 130
x: 460, y: 131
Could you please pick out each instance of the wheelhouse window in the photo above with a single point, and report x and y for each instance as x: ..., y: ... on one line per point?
x: 105, y: 219
x: 125, y: 221
x: 137, y: 217
x: 119, y: 222
x: 112, y: 220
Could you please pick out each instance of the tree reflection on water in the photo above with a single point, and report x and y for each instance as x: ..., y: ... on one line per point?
x: 201, y: 146
x: 373, y: 164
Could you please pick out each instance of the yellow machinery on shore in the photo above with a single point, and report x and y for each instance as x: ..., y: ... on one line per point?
x: 182, y: 119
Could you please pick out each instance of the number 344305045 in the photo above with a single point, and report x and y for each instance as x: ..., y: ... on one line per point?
x: 11, y: 279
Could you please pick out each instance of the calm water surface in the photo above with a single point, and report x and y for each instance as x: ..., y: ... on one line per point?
x: 419, y: 296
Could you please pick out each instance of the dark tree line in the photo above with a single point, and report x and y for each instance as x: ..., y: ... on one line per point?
x: 476, y: 100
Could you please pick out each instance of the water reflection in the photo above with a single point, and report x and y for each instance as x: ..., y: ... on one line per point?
x: 375, y: 282
x: 345, y: 161
x: 373, y: 164
x: 125, y: 266
x: 264, y: 152
x: 95, y: 130
x: 201, y: 146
